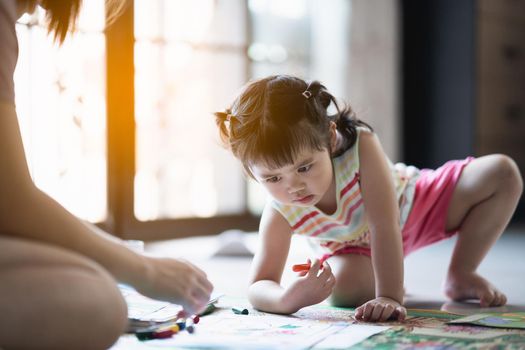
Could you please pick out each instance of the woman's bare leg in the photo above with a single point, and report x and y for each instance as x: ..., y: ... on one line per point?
x: 55, y: 299
x: 482, y: 204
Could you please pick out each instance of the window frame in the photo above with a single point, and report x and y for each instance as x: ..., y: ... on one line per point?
x: 121, y: 145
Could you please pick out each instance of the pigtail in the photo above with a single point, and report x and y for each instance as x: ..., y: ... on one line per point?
x: 320, y: 94
x: 316, y: 103
x: 347, y: 123
x: 223, y: 121
x: 317, y: 99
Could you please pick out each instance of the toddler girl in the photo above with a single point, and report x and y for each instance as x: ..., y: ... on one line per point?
x: 331, y: 182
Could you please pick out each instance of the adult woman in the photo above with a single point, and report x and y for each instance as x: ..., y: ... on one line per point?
x: 57, y: 274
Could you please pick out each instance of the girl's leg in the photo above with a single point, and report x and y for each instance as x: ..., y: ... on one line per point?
x: 354, y: 277
x: 55, y: 299
x: 482, y: 204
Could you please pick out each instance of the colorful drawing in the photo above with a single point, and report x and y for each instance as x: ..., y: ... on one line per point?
x: 497, y: 320
x: 325, y: 327
x: 253, y: 332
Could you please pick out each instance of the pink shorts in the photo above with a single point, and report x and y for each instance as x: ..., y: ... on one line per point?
x: 426, y: 222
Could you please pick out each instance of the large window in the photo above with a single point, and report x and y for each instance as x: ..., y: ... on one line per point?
x: 189, y: 60
x: 118, y: 123
x: 61, y: 104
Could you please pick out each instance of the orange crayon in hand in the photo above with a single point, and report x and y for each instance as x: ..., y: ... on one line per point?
x: 305, y: 267
x: 301, y: 267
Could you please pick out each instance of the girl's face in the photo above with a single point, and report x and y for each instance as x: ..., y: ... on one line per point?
x: 304, y: 183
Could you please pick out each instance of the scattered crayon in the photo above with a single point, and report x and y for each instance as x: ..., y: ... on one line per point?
x: 306, y: 267
x: 209, y: 309
x: 168, y: 329
x: 144, y: 335
x: 240, y: 312
x: 175, y: 328
x: 196, y: 319
x: 300, y: 267
x: 163, y: 334
x: 190, y: 323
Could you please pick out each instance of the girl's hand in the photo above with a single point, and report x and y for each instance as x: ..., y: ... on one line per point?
x: 381, y: 309
x: 311, y: 287
x: 176, y: 281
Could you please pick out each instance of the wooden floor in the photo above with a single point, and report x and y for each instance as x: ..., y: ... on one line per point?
x: 424, y: 270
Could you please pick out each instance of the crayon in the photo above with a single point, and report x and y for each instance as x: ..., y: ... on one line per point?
x: 306, y: 267
x: 196, y: 319
x: 301, y: 267
x: 190, y: 323
x: 145, y: 335
x: 209, y: 309
x: 160, y: 331
x: 163, y: 334
x: 240, y: 312
x: 175, y: 328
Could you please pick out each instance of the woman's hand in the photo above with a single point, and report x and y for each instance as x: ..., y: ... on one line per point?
x: 311, y: 287
x: 381, y: 309
x: 176, y: 281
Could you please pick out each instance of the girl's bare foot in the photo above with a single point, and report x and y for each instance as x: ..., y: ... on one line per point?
x: 463, y: 286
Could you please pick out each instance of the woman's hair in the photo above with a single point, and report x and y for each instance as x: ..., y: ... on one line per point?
x: 61, y: 15
x: 275, y: 118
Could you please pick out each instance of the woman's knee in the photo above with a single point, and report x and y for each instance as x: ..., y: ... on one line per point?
x: 100, y: 310
x: 53, y: 304
x: 103, y: 317
x: 68, y: 309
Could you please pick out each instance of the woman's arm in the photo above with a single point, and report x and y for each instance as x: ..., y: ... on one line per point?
x: 27, y: 212
x: 265, y: 292
x: 382, y: 213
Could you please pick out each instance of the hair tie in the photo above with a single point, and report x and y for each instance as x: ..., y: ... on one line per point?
x: 225, y: 115
x: 307, y: 93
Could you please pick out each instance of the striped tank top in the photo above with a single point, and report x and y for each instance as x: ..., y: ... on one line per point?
x: 347, y: 226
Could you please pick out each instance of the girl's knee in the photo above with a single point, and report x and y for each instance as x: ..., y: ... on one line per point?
x: 508, y: 174
x: 352, y: 291
x: 355, y: 282
x: 350, y: 297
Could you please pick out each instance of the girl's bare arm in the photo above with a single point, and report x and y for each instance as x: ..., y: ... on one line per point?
x: 382, y: 212
x: 265, y: 292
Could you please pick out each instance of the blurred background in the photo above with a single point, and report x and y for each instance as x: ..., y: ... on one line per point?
x: 125, y: 137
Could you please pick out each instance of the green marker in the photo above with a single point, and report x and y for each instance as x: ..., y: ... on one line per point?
x: 240, y: 312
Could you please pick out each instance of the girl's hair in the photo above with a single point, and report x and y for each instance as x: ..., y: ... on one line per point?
x: 61, y: 16
x: 275, y: 118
